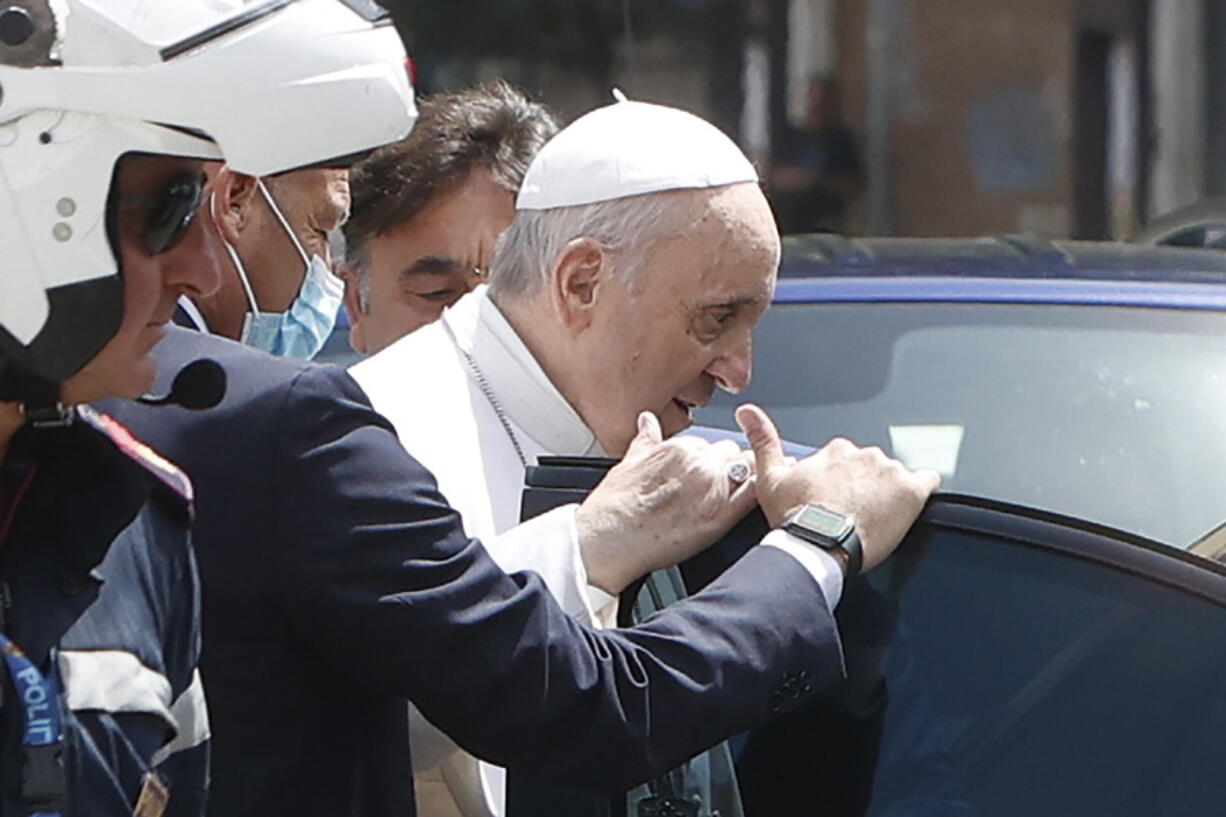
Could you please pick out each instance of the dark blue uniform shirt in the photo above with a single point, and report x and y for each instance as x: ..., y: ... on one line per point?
x: 98, y: 586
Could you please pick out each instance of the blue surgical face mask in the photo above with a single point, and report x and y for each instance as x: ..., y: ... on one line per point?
x: 302, y: 330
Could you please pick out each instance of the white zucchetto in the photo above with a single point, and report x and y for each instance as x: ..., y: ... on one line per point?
x: 628, y: 149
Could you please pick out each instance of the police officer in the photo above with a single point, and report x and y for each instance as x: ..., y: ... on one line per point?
x: 106, y: 109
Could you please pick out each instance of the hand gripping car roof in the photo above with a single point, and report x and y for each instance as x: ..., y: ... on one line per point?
x: 268, y: 86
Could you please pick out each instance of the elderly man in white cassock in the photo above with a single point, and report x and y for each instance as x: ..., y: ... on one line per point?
x: 642, y: 254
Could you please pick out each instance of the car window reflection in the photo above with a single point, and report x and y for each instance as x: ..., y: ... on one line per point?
x: 1112, y: 415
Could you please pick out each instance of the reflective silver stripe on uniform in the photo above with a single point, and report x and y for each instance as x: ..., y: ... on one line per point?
x: 116, y: 681
x: 192, y: 718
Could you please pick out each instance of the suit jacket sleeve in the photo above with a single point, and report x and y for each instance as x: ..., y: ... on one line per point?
x: 375, y: 569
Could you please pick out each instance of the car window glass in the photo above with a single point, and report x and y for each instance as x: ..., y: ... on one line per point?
x: 1003, y: 662
x: 986, y: 677
x: 1112, y: 415
x: 1019, y: 682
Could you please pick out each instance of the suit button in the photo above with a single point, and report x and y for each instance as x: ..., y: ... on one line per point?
x: 776, y: 699
x: 788, y: 691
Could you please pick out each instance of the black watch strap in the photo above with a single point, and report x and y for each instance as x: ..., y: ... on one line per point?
x: 855, y: 554
x: 829, y: 530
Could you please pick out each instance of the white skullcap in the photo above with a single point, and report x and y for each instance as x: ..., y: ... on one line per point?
x: 627, y: 149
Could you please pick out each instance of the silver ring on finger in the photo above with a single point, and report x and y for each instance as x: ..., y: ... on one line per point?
x: 738, y: 471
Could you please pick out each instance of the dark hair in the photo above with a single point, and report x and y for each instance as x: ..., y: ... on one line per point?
x: 494, y: 126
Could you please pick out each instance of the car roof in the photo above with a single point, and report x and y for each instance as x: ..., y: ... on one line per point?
x: 1000, y: 269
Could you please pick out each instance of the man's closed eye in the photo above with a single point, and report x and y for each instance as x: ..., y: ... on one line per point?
x: 440, y: 295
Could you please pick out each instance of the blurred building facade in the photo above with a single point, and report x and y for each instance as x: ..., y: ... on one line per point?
x: 999, y: 115
x: 1058, y: 117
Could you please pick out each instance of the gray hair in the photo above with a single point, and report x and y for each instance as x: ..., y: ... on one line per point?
x: 628, y: 227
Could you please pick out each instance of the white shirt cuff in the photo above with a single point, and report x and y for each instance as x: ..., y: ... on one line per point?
x: 824, y: 568
x: 601, y: 606
x: 604, y: 608
x: 548, y: 545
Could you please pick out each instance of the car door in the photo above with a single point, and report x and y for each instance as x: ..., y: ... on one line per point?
x: 1027, y: 664
x: 1006, y: 662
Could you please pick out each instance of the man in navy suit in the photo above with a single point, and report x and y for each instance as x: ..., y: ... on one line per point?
x: 338, y: 582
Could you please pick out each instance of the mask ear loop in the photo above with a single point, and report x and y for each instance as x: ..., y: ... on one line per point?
x: 276, y: 211
x: 234, y: 259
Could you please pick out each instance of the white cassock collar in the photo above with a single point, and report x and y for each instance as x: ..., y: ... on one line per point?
x: 524, y: 392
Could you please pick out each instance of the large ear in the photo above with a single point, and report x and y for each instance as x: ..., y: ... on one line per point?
x: 230, y: 199
x: 576, y: 280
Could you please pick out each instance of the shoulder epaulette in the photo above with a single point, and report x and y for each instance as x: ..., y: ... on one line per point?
x: 165, y: 471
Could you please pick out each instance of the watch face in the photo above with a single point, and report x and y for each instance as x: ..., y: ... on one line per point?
x: 825, y: 522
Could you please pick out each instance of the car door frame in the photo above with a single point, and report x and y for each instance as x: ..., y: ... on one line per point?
x: 1002, y: 523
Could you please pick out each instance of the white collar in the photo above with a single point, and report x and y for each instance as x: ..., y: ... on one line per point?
x: 525, y: 393
x: 193, y: 313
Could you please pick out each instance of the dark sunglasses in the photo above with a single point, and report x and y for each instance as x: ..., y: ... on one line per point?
x: 172, y: 212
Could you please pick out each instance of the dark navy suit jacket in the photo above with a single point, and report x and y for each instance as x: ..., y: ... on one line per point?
x: 337, y: 582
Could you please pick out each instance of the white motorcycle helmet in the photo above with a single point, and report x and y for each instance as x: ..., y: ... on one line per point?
x: 265, y: 85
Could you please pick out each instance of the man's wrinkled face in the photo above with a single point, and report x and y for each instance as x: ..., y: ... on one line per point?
x: 682, y: 328
x: 423, y: 266
x: 314, y: 202
x: 165, y: 251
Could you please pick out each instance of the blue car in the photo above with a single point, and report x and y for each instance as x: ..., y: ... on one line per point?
x: 1050, y: 640
x: 1087, y: 379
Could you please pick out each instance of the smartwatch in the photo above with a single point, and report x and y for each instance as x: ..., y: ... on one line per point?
x: 829, y: 530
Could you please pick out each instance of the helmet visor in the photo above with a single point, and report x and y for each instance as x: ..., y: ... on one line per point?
x: 174, y: 27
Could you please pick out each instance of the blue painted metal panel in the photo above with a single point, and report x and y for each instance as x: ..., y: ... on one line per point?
x: 938, y: 289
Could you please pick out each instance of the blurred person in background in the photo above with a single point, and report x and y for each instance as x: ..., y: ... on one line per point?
x: 818, y: 172
x: 427, y: 211
x: 279, y: 293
